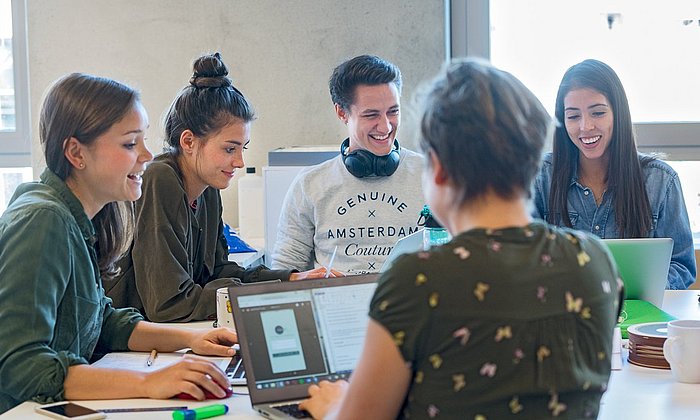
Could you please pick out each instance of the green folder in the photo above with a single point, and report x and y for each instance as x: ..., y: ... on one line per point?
x: 640, y: 312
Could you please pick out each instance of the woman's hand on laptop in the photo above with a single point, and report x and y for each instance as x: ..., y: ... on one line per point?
x: 316, y: 273
x: 216, y: 342
x: 324, y: 398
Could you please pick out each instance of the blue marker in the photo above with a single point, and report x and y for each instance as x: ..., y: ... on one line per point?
x: 201, y: 412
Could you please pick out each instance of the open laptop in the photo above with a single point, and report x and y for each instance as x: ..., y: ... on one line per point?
x: 236, y: 370
x: 643, y: 265
x: 405, y: 245
x: 294, y: 334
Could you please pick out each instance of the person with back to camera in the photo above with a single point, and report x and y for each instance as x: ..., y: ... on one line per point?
x: 180, y: 256
x: 595, y: 180
x: 60, y: 237
x: 361, y: 202
x: 513, y: 318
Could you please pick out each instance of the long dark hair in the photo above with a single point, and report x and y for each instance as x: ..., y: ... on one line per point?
x: 624, y: 175
x: 84, y: 107
x: 207, y: 104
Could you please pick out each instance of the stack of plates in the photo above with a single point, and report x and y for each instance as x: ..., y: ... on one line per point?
x: 646, y: 345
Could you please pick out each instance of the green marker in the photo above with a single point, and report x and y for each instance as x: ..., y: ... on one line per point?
x: 201, y: 412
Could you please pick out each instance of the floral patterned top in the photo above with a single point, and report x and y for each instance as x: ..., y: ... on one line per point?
x: 504, y: 323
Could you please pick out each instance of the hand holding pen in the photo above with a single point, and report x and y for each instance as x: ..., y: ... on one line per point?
x: 320, y: 272
x: 330, y: 264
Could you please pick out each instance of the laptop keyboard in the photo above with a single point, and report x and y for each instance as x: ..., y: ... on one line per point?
x: 293, y: 410
x: 236, y: 371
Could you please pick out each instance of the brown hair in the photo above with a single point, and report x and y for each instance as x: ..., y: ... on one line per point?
x: 624, y: 173
x: 207, y: 104
x: 361, y: 70
x: 84, y: 107
x: 486, y: 128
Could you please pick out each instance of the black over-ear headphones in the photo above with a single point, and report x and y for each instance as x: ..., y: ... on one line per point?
x: 362, y: 163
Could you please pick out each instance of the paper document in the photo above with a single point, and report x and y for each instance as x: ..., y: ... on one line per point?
x: 135, y: 360
x: 616, y: 361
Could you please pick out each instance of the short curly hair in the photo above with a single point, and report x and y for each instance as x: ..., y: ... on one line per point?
x: 486, y: 129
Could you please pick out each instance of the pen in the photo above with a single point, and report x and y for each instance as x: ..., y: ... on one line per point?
x: 201, y: 412
x: 330, y: 264
x: 152, y: 357
x: 140, y: 409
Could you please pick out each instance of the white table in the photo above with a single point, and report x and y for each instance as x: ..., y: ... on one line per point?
x: 649, y: 394
x: 633, y: 392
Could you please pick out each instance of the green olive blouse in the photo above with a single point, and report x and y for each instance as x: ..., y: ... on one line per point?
x: 504, y: 323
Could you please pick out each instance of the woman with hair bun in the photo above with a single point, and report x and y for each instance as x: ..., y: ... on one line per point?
x: 59, y: 240
x: 180, y: 256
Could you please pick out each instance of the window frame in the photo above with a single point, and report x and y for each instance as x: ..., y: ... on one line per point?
x: 470, y: 36
x: 15, y: 147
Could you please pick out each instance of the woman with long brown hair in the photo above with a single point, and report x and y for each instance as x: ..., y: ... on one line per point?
x: 595, y: 180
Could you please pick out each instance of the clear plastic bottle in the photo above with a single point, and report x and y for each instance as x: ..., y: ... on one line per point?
x: 250, y: 205
x: 435, y: 237
x: 433, y: 233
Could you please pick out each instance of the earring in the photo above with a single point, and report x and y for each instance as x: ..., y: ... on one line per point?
x: 81, y: 166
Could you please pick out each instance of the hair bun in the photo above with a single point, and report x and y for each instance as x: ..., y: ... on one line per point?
x: 209, y: 71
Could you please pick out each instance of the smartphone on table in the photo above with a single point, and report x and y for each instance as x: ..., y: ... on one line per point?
x: 68, y: 410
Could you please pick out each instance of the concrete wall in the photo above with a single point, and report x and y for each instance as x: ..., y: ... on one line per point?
x: 279, y: 53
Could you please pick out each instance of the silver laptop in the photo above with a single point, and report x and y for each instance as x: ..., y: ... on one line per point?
x: 236, y: 370
x: 405, y: 245
x: 643, y: 265
x: 295, y: 334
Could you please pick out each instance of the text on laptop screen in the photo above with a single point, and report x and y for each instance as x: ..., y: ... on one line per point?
x: 308, y: 335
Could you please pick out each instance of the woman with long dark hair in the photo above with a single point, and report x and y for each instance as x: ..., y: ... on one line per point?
x: 595, y: 180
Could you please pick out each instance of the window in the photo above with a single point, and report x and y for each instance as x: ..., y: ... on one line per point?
x: 649, y: 43
x: 689, y: 174
x: 10, y: 178
x: 15, y: 163
x: 14, y: 93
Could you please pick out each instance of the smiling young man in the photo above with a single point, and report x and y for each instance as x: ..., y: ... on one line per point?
x: 360, y: 203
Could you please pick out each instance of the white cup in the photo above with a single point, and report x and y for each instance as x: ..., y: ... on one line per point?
x: 682, y: 349
x: 224, y: 315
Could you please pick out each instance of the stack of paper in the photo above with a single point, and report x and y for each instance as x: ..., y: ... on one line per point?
x: 134, y: 360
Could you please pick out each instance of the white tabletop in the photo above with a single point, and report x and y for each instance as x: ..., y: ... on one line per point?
x: 649, y: 394
x: 633, y: 392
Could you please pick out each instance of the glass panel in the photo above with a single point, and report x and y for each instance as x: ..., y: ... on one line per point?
x: 649, y: 43
x: 689, y: 174
x: 7, y: 82
x: 10, y: 178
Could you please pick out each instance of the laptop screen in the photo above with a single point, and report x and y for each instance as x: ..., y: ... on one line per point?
x: 298, y: 333
x: 643, y: 264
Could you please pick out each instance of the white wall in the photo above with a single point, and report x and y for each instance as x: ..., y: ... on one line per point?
x: 279, y: 53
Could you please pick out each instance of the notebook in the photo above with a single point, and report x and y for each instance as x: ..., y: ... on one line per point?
x: 294, y: 334
x: 643, y: 265
x: 640, y: 312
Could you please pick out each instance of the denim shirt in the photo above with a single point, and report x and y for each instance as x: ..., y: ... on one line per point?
x: 669, y: 215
